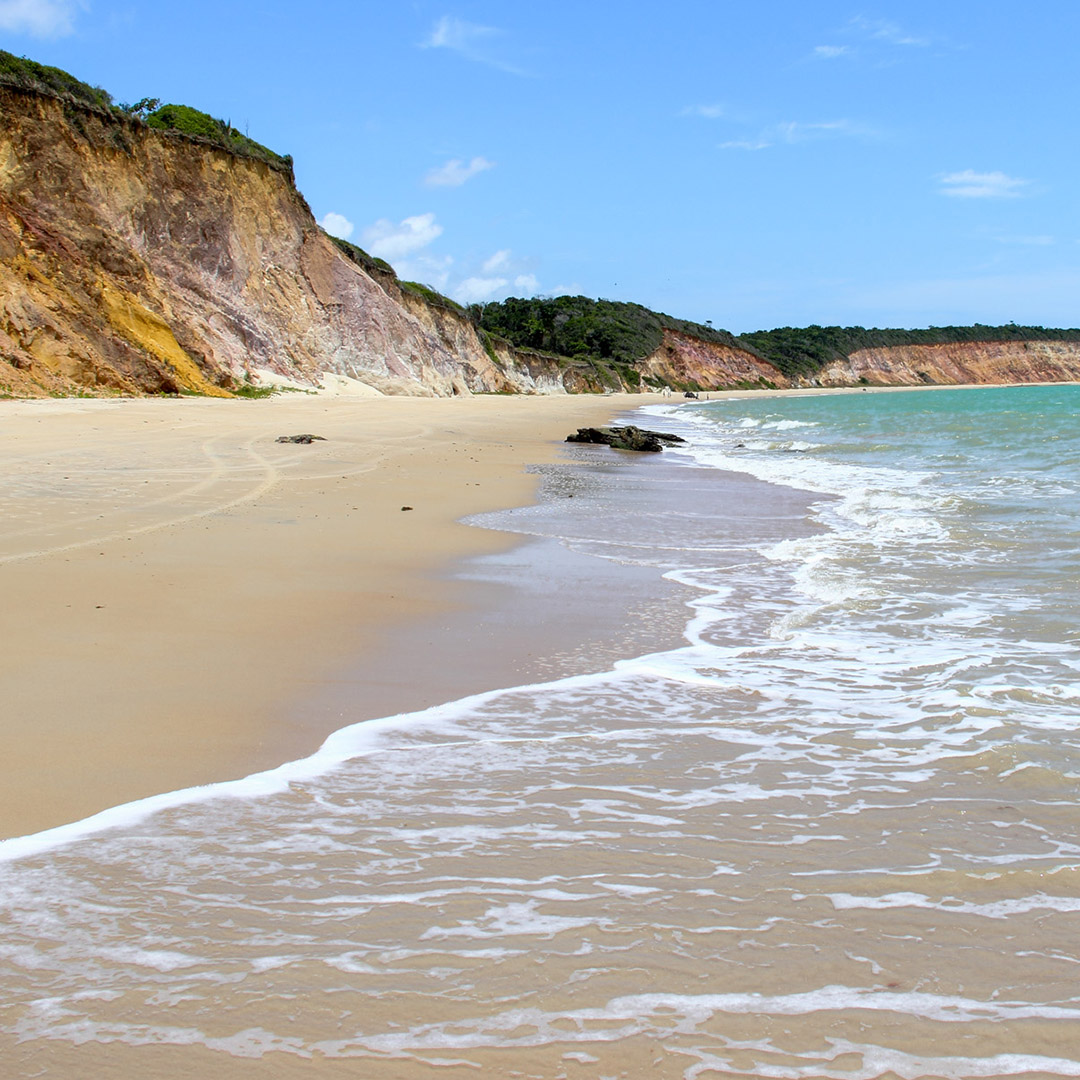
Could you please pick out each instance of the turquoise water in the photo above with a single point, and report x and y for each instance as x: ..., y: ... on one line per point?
x: 833, y: 834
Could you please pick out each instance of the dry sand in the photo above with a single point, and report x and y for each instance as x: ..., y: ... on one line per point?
x: 176, y: 584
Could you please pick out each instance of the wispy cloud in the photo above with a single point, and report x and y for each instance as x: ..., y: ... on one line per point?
x: 455, y: 172
x: 832, y: 52
x: 885, y: 30
x: 500, y: 274
x: 1027, y: 241
x: 708, y: 112
x: 499, y: 261
x: 337, y: 225
x: 39, y: 18
x: 390, y: 241
x: 976, y: 185
x: 472, y: 41
x: 746, y: 144
x: 793, y: 132
x: 433, y: 270
x: 475, y: 290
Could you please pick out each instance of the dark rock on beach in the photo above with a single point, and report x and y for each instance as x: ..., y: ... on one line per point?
x: 300, y: 438
x: 626, y: 438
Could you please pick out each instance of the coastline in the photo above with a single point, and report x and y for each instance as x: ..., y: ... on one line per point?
x: 179, y: 585
x: 182, y: 589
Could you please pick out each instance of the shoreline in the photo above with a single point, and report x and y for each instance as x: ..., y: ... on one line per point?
x: 179, y: 585
x: 182, y: 589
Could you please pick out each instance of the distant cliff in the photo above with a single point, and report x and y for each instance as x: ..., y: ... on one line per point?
x: 955, y: 363
x: 136, y: 258
x: 683, y: 360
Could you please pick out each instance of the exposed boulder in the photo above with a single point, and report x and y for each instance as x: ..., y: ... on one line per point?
x: 626, y: 438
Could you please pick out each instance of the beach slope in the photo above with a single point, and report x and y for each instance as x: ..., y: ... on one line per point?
x: 177, y: 582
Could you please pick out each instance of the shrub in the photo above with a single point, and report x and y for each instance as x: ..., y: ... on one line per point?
x: 30, y: 75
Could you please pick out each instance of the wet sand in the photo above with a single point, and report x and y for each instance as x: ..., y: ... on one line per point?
x: 177, y: 585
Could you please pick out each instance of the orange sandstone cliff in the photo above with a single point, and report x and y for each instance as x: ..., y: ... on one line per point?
x: 956, y: 363
x: 683, y: 359
x: 139, y: 261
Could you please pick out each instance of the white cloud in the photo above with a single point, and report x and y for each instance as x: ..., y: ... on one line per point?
x: 470, y: 40
x: 831, y: 52
x: 746, y: 144
x: 975, y: 185
x: 499, y: 261
x: 527, y: 283
x: 474, y: 290
x: 433, y: 270
x: 709, y: 112
x: 390, y: 241
x: 337, y: 225
x: 793, y: 132
x: 454, y: 173
x: 39, y: 18
x: 884, y: 30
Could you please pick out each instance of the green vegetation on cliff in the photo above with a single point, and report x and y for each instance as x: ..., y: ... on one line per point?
x: 626, y: 333
x: 370, y: 263
x: 200, y: 125
x: 27, y: 74
x: 24, y: 74
x: 804, y: 351
x: 579, y: 327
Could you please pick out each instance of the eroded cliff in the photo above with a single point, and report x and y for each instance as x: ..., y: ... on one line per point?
x: 137, y: 261
x: 686, y: 361
x: 955, y: 363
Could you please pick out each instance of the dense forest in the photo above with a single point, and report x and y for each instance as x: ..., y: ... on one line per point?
x: 613, y: 330
x: 579, y: 327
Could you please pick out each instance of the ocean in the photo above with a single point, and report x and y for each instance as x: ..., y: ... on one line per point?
x: 816, y: 816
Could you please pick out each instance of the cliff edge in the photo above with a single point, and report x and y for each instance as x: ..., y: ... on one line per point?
x: 139, y: 261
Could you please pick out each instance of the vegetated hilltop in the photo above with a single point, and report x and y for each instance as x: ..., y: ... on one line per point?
x: 152, y: 248
x: 630, y: 335
x: 647, y: 348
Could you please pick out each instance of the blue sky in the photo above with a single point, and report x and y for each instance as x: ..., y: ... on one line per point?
x: 755, y: 165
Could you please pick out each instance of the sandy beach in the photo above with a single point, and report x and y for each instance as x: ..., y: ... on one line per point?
x: 177, y: 583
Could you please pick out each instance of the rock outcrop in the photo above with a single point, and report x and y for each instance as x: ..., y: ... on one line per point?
x: 685, y: 361
x: 955, y: 363
x: 626, y: 438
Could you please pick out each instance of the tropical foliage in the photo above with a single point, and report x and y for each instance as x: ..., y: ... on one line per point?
x: 579, y: 327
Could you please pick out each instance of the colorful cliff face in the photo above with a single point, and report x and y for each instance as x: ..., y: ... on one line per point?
x: 684, y: 360
x: 136, y: 261
x: 139, y: 261
x: 956, y: 363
